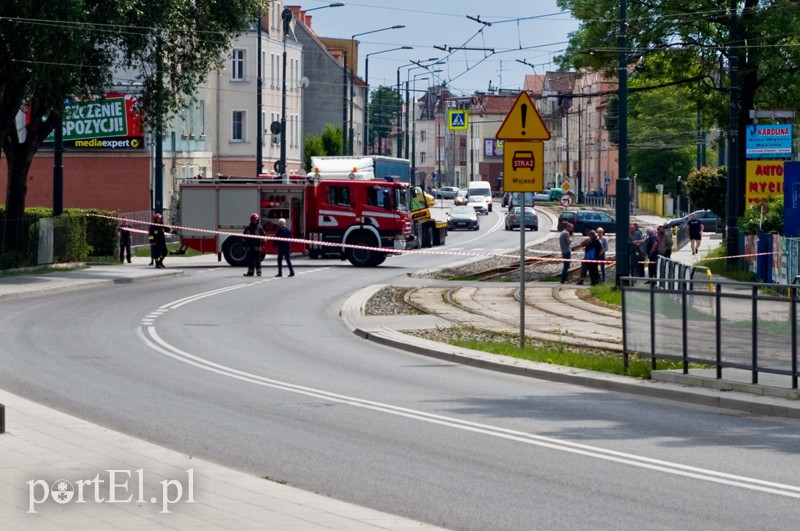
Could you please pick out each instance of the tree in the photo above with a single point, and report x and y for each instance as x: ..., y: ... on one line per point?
x: 661, y: 136
x: 689, y: 42
x: 53, y: 52
x: 332, y: 139
x: 706, y: 189
x: 382, y: 106
x: 329, y: 143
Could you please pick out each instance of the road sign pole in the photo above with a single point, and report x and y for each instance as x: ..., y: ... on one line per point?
x: 522, y: 274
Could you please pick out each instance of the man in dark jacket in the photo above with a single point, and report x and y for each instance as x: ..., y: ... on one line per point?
x: 284, y: 247
x: 124, y: 241
x: 253, y: 245
x: 158, y: 241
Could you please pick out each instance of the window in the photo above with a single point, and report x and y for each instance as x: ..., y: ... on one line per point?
x: 422, y: 157
x: 273, y: 77
x: 422, y: 136
x: 237, y: 65
x: 237, y: 126
x: 338, y: 195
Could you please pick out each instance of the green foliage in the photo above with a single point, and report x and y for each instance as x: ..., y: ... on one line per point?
x: 612, y: 119
x: 771, y: 221
x: 608, y: 293
x: 312, y: 147
x: 661, y: 136
x: 332, y: 139
x: 707, y: 188
x: 383, y: 104
x: 167, y: 48
x: 101, y: 232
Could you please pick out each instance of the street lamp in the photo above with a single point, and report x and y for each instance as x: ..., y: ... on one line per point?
x: 286, y: 16
x: 408, y: 73
x: 400, y: 104
x: 352, y: 88
x: 366, y: 82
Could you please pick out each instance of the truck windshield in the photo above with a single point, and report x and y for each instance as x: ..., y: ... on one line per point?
x: 402, y: 198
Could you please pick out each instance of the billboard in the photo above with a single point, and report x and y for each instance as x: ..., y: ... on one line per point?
x: 764, y: 180
x: 111, y: 123
x: 769, y: 141
x: 492, y: 148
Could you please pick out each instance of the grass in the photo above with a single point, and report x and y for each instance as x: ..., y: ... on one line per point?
x: 608, y: 293
x: 719, y: 267
x: 555, y: 354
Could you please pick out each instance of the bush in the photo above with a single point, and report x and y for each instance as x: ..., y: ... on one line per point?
x: 772, y: 220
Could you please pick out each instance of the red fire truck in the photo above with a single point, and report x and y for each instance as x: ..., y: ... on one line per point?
x: 351, y: 211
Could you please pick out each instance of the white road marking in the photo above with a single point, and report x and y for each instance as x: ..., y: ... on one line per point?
x: 147, y: 333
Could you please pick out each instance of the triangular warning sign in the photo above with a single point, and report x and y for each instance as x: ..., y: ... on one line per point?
x: 523, y: 122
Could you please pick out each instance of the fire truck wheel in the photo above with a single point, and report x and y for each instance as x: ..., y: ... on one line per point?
x: 235, y: 252
x: 380, y: 259
x: 362, y: 257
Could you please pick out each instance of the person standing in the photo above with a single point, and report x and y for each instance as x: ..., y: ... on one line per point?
x: 284, y: 246
x: 253, y: 245
x: 124, y: 231
x: 601, y: 237
x: 664, y: 242
x: 158, y: 241
x: 651, y: 246
x: 565, y: 242
x: 593, y: 250
x: 695, y: 228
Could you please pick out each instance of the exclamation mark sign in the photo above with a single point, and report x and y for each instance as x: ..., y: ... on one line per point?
x: 524, y: 110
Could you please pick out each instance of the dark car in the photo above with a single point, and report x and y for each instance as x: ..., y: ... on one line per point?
x: 462, y: 217
x: 585, y: 220
x: 513, y: 219
x: 711, y: 222
x: 446, y: 192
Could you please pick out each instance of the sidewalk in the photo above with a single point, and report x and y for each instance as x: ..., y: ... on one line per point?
x: 42, y: 446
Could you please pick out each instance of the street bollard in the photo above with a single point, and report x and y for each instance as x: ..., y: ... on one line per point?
x: 2, y: 418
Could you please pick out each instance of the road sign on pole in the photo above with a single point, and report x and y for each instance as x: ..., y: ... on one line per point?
x: 523, y: 167
x: 566, y: 200
x: 523, y: 122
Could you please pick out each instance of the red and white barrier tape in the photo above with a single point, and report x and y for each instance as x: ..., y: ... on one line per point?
x: 319, y: 243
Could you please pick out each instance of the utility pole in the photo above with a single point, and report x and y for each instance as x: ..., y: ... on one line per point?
x: 623, y: 184
x: 732, y: 204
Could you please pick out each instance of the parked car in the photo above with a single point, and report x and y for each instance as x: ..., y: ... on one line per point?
x: 555, y: 193
x: 446, y: 192
x: 711, y: 222
x: 516, y: 200
x: 479, y: 203
x: 514, y: 219
x: 460, y: 198
x: 585, y: 220
x: 462, y: 217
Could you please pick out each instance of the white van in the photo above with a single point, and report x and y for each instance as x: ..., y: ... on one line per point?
x: 481, y: 188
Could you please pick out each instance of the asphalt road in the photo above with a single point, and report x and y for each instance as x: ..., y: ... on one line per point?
x: 261, y: 375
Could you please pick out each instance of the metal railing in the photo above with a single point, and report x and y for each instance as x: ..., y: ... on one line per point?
x: 721, y: 324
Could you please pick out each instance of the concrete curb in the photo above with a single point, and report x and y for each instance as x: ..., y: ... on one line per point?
x: 77, y: 283
x: 655, y: 388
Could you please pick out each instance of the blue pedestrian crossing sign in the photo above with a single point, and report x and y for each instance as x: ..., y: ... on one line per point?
x: 457, y: 120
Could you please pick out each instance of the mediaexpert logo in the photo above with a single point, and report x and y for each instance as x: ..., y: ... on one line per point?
x: 115, y: 487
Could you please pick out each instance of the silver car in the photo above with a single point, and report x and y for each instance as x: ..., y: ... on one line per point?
x: 446, y: 192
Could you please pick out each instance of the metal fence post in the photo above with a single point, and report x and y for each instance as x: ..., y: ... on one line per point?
x: 652, y: 325
x: 718, y: 321
x: 793, y: 327
x: 2, y: 418
x: 754, y: 341
x: 684, y: 328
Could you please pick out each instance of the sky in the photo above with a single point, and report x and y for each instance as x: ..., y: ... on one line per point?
x: 534, y: 31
